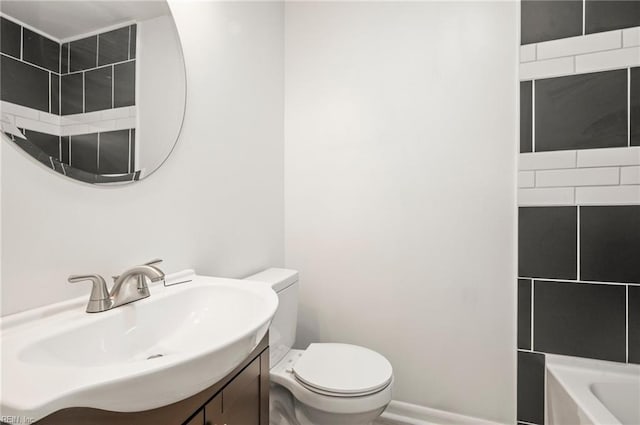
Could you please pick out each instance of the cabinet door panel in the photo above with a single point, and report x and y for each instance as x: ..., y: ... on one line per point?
x: 213, y: 411
x: 245, y: 408
x: 197, y: 419
x: 241, y: 398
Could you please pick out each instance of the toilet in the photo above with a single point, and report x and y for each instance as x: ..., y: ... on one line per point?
x: 327, y: 383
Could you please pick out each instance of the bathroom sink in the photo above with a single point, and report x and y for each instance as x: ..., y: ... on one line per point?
x: 147, y: 354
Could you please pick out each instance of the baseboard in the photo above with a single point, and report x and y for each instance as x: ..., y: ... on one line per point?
x: 401, y: 413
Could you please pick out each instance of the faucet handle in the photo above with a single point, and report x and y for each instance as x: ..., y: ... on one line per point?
x: 99, y: 299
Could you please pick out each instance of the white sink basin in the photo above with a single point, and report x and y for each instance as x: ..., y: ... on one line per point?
x: 153, y: 352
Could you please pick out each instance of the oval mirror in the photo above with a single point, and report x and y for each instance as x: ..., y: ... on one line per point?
x: 94, y: 90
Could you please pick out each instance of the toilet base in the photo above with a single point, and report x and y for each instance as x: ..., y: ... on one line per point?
x: 284, y: 409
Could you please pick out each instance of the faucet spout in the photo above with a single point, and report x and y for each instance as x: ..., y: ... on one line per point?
x: 131, y: 286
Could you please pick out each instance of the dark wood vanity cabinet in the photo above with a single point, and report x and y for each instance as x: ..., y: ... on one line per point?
x: 240, y: 398
x: 243, y: 401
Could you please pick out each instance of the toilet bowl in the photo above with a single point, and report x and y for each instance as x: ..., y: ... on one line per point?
x: 327, y: 383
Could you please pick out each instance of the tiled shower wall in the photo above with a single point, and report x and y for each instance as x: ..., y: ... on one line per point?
x: 75, y: 100
x: 579, y: 188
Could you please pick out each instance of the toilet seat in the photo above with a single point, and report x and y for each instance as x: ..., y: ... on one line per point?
x: 342, y: 370
x: 282, y: 374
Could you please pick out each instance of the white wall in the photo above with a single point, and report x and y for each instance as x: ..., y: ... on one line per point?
x: 217, y: 203
x: 400, y: 149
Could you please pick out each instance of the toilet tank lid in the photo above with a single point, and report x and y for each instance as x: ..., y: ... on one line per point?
x: 279, y: 279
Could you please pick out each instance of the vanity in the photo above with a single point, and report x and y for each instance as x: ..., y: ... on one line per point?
x: 191, y: 353
x: 240, y: 398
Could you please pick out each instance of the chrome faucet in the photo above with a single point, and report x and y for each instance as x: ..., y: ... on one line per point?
x: 130, y: 286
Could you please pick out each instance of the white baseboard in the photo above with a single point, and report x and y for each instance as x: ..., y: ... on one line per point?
x: 401, y: 413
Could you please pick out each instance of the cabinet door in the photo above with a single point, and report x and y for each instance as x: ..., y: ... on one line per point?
x: 197, y: 419
x: 239, y: 402
x: 213, y: 411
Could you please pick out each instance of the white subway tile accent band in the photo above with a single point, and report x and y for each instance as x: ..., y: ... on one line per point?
x: 547, y: 160
x: 39, y: 126
x: 584, y: 177
x: 575, y: 55
x: 21, y: 111
x: 546, y: 196
x: 546, y: 68
x: 608, y: 195
x: 528, y: 53
x: 526, y: 178
x: 69, y: 125
x: 609, y: 157
x: 612, y: 59
x: 630, y: 175
x: 631, y: 37
x: 579, y: 45
x: 578, y: 177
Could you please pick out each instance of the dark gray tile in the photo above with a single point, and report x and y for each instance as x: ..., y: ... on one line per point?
x: 547, y: 244
x: 606, y: 15
x: 34, y: 151
x: 24, y: 84
x: 65, y: 149
x: 40, y: 50
x: 524, y: 314
x: 132, y: 156
x: 48, y: 143
x: 124, y: 84
x: 84, y: 152
x: 64, y: 59
x: 526, y: 116
x: 80, y: 175
x: 548, y: 20
x: 113, y: 46
x: 132, y: 41
x: 581, y: 111
x: 635, y: 107
x: 55, y: 94
x: 114, y: 152
x: 83, y: 54
x: 98, y: 89
x: 580, y: 319
x: 10, y: 37
x: 531, y: 369
x: 72, y: 94
x: 610, y: 243
x: 634, y: 324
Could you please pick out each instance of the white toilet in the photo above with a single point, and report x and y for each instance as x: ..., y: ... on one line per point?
x: 326, y: 384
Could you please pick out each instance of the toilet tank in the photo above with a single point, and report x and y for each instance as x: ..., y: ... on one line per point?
x: 282, y: 332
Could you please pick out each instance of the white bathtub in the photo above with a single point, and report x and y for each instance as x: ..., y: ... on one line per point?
x: 592, y: 392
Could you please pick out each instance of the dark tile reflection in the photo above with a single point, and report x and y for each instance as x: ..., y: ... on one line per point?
x: 84, y: 152
x: 72, y: 94
x: 114, y: 152
x: 24, y: 84
x: 124, y: 84
x: 98, y: 90
x: 40, y: 50
x: 10, y: 37
x: 83, y: 54
x: 113, y: 46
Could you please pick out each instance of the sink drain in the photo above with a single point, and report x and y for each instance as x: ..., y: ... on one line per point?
x: 155, y: 356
